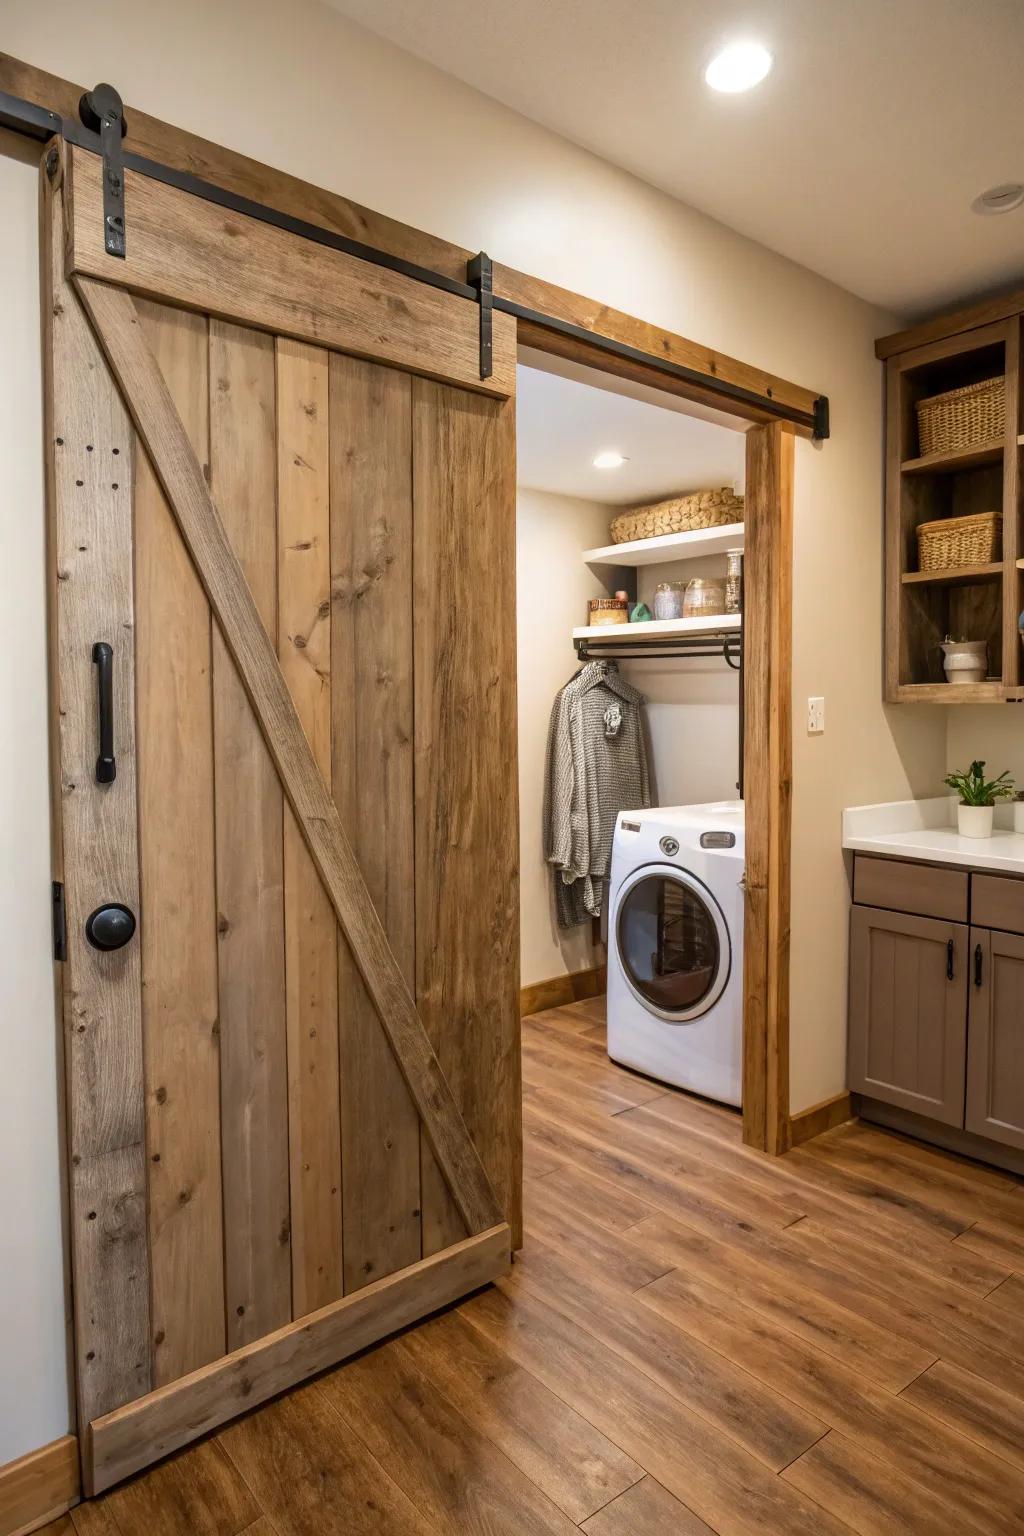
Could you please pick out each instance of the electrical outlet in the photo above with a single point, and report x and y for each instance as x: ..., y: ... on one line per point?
x: 815, y: 717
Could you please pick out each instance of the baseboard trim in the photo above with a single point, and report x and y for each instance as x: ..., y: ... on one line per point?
x: 963, y: 1143
x: 39, y: 1487
x: 562, y: 990
x: 819, y: 1118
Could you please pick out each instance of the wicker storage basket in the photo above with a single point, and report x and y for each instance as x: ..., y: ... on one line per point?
x: 961, y: 417
x: 954, y: 541
x: 682, y: 514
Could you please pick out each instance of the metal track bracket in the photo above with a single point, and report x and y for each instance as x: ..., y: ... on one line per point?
x: 480, y: 275
x: 102, y: 111
x: 821, y: 422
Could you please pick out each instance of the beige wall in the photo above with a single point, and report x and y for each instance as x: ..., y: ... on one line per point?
x: 362, y: 117
x: 552, y: 588
x: 993, y: 732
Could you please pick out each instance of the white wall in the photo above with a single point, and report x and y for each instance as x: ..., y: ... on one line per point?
x: 33, y: 1380
x: 368, y: 120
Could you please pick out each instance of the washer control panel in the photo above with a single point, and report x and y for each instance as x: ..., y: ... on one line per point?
x: 669, y: 846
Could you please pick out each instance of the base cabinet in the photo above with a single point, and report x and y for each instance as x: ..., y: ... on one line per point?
x: 995, y: 1038
x: 908, y: 1012
x: 936, y: 1021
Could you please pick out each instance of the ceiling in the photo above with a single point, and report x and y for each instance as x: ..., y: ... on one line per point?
x: 562, y: 422
x: 859, y: 156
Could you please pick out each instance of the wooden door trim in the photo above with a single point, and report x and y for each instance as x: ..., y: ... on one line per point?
x: 189, y: 252
x: 115, y: 322
x: 188, y: 153
x: 768, y: 779
x: 131, y: 1437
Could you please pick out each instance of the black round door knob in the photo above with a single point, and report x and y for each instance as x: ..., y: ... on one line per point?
x: 110, y: 926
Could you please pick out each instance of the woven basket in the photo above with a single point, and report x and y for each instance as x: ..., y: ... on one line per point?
x: 961, y: 417
x: 682, y: 514
x: 954, y: 541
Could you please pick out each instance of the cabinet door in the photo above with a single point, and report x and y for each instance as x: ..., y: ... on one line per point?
x: 908, y: 1011
x: 995, y: 1057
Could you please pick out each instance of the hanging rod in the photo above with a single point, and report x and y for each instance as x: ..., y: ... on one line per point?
x: 39, y: 123
x: 725, y: 645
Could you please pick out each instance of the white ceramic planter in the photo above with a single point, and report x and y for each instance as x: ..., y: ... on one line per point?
x: 1018, y: 815
x: 965, y: 661
x: 975, y: 820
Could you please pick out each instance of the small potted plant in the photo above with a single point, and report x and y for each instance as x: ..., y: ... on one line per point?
x: 1018, y: 811
x: 978, y: 796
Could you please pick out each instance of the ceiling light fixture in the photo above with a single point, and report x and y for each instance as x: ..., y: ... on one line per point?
x: 610, y: 458
x: 738, y: 67
x: 1001, y: 199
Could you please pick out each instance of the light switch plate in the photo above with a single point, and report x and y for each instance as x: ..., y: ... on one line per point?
x: 815, y: 717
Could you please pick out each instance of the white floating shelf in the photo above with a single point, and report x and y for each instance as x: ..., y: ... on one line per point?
x: 658, y: 629
x: 669, y: 546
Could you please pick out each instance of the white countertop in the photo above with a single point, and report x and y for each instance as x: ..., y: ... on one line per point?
x: 926, y: 829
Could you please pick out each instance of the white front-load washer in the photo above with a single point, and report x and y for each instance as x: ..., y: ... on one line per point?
x: 675, y: 946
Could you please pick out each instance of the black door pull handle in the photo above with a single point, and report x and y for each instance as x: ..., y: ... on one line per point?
x: 978, y: 957
x: 106, y: 767
x: 949, y: 961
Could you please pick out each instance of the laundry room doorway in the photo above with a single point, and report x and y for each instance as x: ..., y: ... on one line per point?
x: 654, y: 539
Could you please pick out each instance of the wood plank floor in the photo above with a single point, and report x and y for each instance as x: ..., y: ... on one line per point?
x: 696, y: 1339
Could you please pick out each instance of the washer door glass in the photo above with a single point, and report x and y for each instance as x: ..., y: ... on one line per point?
x: 673, y: 944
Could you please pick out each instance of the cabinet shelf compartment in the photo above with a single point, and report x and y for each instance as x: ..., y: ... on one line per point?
x: 958, y: 459
x: 975, y: 602
x: 956, y: 576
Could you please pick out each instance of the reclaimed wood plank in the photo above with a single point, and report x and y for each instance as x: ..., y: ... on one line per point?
x: 372, y: 726
x: 310, y: 927
x: 250, y: 874
x: 180, y: 1005
x: 464, y: 472
x: 174, y: 1415
x: 92, y: 551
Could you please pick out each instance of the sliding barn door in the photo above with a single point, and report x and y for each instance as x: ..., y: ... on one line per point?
x: 282, y: 511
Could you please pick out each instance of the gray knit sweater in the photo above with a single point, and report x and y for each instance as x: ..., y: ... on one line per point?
x: 597, y: 767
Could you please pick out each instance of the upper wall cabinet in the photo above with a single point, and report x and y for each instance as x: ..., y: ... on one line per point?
x: 953, y: 514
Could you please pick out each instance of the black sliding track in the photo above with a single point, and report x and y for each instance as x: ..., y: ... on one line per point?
x: 39, y: 123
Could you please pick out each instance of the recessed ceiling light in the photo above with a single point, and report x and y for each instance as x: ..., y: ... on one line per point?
x: 738, y: 67
x: 1001, y: 199
x: 610, y: 458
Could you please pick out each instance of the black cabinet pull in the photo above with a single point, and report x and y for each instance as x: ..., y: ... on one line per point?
x: 106, y: 767
x: 949, y: 961
x: 978, y: 956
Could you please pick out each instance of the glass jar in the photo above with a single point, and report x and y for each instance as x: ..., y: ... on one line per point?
x: 668, y: 599
x: 733, y: 579
x: 705, y: 596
